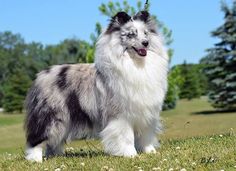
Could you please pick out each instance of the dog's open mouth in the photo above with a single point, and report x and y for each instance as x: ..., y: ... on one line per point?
x: 142, y: 52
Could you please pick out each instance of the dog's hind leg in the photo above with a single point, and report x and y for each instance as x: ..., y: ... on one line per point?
x: 34, y: 153
x: 56, y: 139
x: 34, y: 139
x: 36, y: 135
x: 54, y: 150
x: 118, y: 138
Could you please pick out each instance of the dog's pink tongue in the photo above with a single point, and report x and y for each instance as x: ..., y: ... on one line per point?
x: 142, y: 52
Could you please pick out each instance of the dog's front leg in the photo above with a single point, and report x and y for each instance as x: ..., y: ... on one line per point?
x: 118, y: 138
x: 146, y: 141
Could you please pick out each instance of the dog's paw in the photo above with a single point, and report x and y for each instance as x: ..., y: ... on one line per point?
x: 130, y: 152
x: 34, y: 159
x: 34, y: 154
x: 149, y: 149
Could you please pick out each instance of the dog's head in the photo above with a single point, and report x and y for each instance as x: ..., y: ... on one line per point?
x: 134, y: 32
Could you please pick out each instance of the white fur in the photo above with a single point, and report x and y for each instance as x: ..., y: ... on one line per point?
x: 122, y: 95
x: 34, y: 154
x: 141, y: 84
x: 118, y: 138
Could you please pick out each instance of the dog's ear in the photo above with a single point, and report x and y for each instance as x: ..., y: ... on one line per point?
x: 143, y: 16
x: 122, y: 17
x: 147, y: 19
x: 117, y: 21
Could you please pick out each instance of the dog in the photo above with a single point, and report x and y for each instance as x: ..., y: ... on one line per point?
x: 117, y: 99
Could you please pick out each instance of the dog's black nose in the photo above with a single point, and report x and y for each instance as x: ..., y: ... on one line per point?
x: 145, y: 43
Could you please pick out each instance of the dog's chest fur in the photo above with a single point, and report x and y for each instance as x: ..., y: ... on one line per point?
x: 141, y: 87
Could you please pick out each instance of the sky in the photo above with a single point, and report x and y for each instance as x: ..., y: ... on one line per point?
x: 52, y: 21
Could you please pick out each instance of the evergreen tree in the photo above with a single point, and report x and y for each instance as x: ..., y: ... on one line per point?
x: 191, y: 82
x: 202, y: 79
x: 175, y: 81
x: 14, y: 91
x: 12, y: 48
x: 33, y: 62
x: 221, y: 62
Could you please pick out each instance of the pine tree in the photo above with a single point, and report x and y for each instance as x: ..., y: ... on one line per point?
x: 15, y: 90
x: 202, y: 79
x: 174, y: 83
x: 191, y: 82
x: 221, y: 62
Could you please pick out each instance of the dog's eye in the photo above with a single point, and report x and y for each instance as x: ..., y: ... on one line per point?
x: 131, y: 35
x: 146, y: 32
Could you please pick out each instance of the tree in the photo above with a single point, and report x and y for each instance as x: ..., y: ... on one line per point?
x: 68, y: 51
x: 34, y: 56
x: 221, y: 61
x: 12, y: 47
x: 185, y: 81
x: 15, y: 90
x: 174, y: 83
x: 191, y: 82
x: 202, y: 78
x: 19, y: 63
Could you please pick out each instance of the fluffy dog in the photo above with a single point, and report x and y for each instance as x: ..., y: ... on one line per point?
x: 118, y: 98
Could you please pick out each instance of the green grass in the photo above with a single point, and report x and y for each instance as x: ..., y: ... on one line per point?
x: 184, y: 122
x: 190, y: 141
x: 12, y: 119
x: 203, y: 153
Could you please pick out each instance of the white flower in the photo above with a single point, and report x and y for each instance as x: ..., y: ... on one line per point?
x: 221, y: 135
x: 58, y: 169
x: 46, y: 169
x: 171, y: 169
x: 164, y: 159
x: 194, y: 164
x: 176, y: 160
x: 105, y: 168
x: 178, y: 148
x: 156, y: 168
x: 82, y: 164
x: 63, y: 166
x: 211, y: 138
x: 183, y: 169
x: 70, y: 149
x: 212, y: 160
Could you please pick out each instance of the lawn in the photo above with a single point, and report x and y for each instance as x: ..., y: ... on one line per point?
x: 196, y: 118
x: 195, y: 138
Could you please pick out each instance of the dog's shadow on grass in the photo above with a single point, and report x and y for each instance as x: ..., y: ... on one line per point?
x: 84, y: 154
x: 212, y: 112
